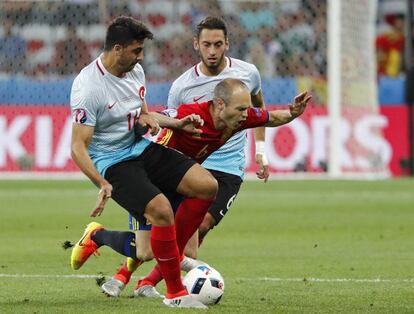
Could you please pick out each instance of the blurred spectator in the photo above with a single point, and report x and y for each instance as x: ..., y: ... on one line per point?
x: 320, y: 46
x: 12, y: 50
x: 390, y: 46
x: 201, y: 8
x: 257, y: 56
x: 297, y: 39
x: 177, y: 54
x: 238, y: 42
x: 165, y: 18
x: 255, y: 15
x: 78, y: 12
x: 16, y: 12
x: 71, y: 54
x: 262, y: 52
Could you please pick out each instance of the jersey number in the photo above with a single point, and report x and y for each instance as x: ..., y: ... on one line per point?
x: 202, y: 152
x: 132, y: 119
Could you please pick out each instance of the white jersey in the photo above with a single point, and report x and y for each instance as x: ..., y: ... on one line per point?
x: 195, y: 87
x: 111, y: 105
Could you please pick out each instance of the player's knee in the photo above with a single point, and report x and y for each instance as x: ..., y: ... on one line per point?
x: 159, y: 212
x: 190, y: 252
x: 209, y: 187
x: 145, y: 255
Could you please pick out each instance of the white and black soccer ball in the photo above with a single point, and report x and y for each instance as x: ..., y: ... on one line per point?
x: 205, y: 284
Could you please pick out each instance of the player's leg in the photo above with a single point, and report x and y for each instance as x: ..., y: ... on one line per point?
x: 200, y: 189
x: 229, y: 186
x: 199, y: 183
x: 146, y: 286
x: 124, y: 177
x: 167, y: 168
x: 191, y: 247
x: 114, y: 286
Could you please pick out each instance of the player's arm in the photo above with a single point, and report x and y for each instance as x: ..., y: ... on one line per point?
x: 280, y: 117
x: 189, y: 123
x: 81, y: 138
x: 147, y: 121
x: 259, y: 136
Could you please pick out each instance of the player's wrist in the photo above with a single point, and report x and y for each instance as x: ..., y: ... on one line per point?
x: 260, y: 147
x: 260, y: 150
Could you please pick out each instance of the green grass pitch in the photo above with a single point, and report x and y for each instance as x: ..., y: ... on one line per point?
x: 284, y: 247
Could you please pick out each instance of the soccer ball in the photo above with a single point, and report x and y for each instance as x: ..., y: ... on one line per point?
x: 205, y: 284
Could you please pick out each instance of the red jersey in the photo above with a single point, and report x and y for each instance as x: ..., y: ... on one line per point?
x: 200, y: 146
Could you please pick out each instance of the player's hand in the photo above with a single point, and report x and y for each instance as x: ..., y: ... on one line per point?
x: 147, y: 121
x: 104, y: 194
x: 263, y: 172
x: 299, y: 105
x: 190, y: 124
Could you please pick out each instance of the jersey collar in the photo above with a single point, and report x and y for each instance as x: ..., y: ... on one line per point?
x: 198, y: 72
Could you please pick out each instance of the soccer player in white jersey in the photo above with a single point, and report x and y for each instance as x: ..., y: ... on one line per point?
x: 197, y: 85
x: 228, y: 163
x: 107, y: 99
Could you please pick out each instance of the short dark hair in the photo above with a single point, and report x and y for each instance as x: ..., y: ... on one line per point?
x: 225, y: 89
x: 124, y: 30
x: 211, y: 22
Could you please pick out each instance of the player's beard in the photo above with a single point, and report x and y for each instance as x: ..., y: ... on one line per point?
x: 212, y: 67
x: 131, y: 66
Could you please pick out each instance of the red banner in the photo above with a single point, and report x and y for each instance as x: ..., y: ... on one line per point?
x: 37, y: 138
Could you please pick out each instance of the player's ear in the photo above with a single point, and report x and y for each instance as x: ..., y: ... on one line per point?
x: 227, y: 44
x: 195, y: 44
x: 220, y: 103
x: 117, y: 49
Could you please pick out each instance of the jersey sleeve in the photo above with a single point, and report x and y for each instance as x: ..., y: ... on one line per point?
x: 84, y: 102
x: 256, y: 80
x: 174, y: 96
x: 177, y: 113
x: 255, y: 117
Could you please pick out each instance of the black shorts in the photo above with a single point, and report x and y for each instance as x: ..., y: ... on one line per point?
x: 228, y: 187
x: 137, y: 181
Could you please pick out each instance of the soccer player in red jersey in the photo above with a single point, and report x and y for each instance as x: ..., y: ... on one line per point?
x: 228, y: 113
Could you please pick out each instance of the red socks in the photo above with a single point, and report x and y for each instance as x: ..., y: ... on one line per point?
x: 188, y: 218
x: 152, y: 279
x: 125, y: 272
x: 164, y: 247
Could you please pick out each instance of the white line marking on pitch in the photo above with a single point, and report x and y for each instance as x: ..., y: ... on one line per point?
x: 362, y: 280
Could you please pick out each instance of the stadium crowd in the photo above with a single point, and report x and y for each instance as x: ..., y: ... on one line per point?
x: 58, y: 38
x: 282, y: 38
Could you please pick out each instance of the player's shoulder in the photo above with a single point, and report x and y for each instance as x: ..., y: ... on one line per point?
x: 188, y: 107
x: 197, y: 108
x: 138, y: 70
x: 90, y: 76
x: 188, y: 76
x: 241, y: 65
x: 89, y: 83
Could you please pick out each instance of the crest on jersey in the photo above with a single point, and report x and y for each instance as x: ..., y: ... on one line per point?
x: 80, y: 116
x: 141, y: 92
x: 257, y: 112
